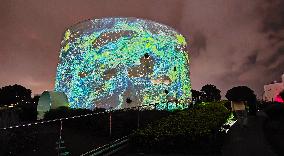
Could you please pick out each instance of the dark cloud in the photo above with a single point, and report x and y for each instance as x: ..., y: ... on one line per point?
x: 273, y: 15
x: 272, y: 25
x: 251, y: 60
x: 198, y: 43
x: 236, y: 42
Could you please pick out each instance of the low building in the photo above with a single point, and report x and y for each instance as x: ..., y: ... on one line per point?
x: 271, y: 91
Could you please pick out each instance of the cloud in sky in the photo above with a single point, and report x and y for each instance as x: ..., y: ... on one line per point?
x: 235, y: 42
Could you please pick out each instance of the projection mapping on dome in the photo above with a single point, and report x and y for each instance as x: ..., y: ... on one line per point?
x: 123, y: 62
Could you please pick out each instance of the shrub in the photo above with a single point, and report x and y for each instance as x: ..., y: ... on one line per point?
x: 187, y: 131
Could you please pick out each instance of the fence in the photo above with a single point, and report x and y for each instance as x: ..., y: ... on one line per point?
x: 74, y: 135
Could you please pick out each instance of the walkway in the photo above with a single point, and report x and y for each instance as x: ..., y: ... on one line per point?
x: 248, y: 142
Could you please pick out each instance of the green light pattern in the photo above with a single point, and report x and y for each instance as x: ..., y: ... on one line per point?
x: 103, y: 62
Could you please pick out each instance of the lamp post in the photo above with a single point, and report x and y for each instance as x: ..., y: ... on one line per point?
x: 110, y: 110
x: 138, y: 117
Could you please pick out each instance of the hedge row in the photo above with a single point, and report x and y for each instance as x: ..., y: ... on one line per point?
x: 189, y: 131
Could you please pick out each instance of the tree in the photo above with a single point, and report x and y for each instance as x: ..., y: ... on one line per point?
x: 15, y: 95
x: 243, y: 93
x: 210, y: 93
x: 20, y: 99
x: 196, y: 96
x: 29, y: 110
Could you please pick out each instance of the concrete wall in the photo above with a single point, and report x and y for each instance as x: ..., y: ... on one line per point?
x: 272, y: 90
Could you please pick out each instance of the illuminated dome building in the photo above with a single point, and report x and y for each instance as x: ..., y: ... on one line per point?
x: 50, y: 100
x: 123, y: 62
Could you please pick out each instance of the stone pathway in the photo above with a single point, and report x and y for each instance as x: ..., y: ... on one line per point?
x: 247, y: 142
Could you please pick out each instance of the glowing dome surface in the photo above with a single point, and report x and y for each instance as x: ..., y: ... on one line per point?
x: 123, y: 62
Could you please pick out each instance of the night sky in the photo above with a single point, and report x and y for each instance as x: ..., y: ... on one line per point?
x: 232, y: 42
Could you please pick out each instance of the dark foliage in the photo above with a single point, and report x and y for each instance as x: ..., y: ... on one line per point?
x: 20, y: 98
x: 243, y: 93
x: 35, y: 99
x: 210, y: 93
x: 14, y: 94
x: 196, y: 96
x: 190, y: 131
x: 227, y: 104
x: 240, y: 93
x: 28, y: 112
x: 274, y: 127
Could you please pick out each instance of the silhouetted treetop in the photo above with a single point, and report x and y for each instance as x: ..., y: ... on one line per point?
x: 196, y: 95
x: 210, y: 93
x: 14, y: 94
x: 240, y: 93
x: 243, y: 93
x: 20, y: 99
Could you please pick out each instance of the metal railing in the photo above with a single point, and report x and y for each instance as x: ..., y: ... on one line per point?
x: 58, y: 133
x: 108, y: 149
